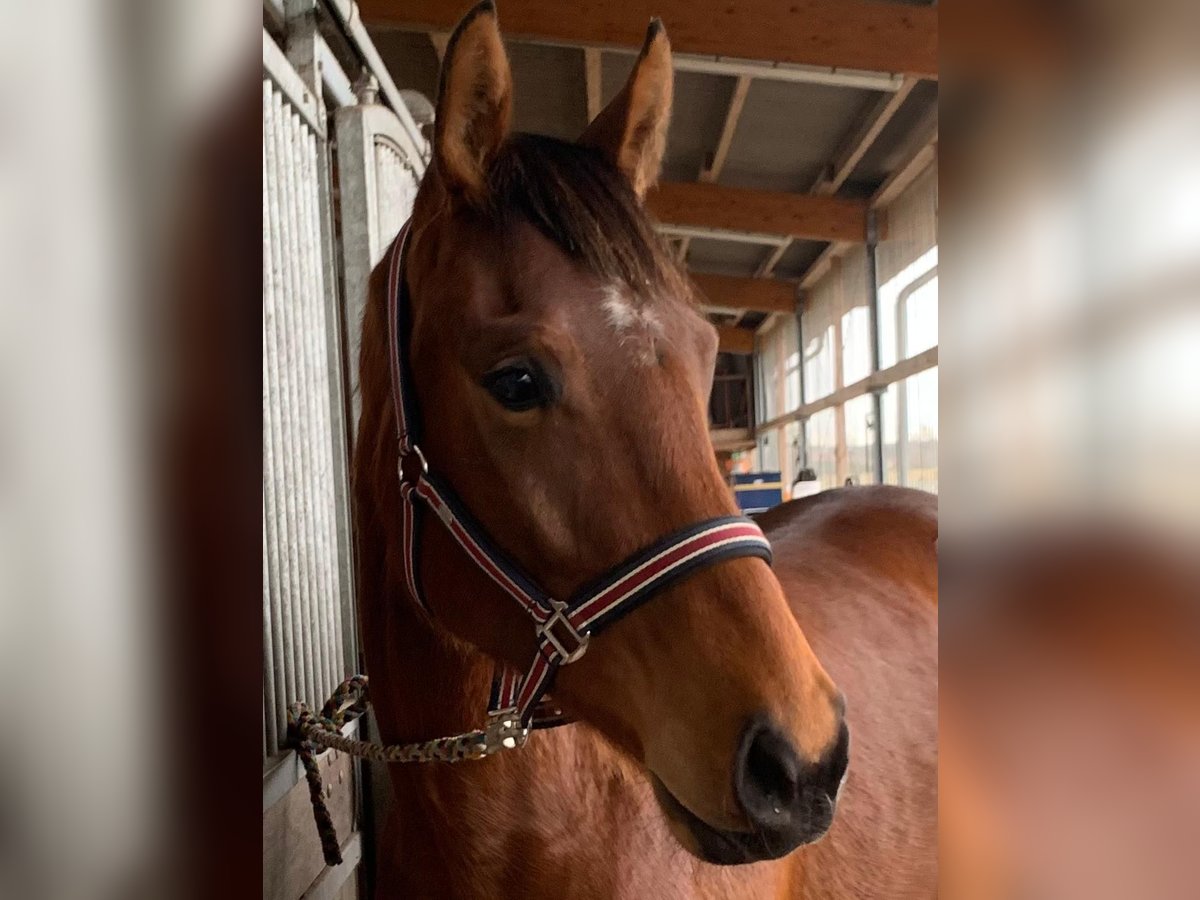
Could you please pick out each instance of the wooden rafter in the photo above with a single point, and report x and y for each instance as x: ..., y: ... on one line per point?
x: 766, y: 212
x: 769, y: 264
x: 713, y: 171
x: 860, y: 141
x: 684, y: 243
x: 731, y: 339
x: 816, y: 271
x: 756, y: 294
x: 852, y: 34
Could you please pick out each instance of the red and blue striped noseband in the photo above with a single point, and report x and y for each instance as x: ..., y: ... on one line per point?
x: 563, y: 627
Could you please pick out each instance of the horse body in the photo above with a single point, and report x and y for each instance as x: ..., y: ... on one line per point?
x: 561, y: 369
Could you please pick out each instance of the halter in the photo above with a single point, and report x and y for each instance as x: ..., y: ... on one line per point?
x: 562, y: 627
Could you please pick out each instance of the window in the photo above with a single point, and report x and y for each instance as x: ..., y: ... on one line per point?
x: 908, y: 310
x: 856, y: 344
x: 822, y: 446
x: 790, y: 456
x: 919, y: 309
x: 767, y: 378
x: 778, y: 370
x: 791, y: 376
x: 860, y: 438
x: 768, y: 451
x: 818, y: 366
x: 910, y: 420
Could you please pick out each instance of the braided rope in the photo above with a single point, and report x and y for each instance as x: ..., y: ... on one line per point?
x: 309, y: 733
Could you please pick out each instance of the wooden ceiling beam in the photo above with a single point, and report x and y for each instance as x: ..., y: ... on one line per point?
x: 764, y: 212
x: 731, y: 339
x: 713, y: 171
x: 758, y: 294
x: 851, y: 34
x: 860, y: 141
x: 768, y: 265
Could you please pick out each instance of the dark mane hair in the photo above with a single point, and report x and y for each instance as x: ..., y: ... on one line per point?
x: 579, y: 201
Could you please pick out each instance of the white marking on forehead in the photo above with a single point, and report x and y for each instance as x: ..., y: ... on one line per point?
x: 636, y: 325
x: 620, y: 312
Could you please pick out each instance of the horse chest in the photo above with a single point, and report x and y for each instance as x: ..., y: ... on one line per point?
x: 550, y: 825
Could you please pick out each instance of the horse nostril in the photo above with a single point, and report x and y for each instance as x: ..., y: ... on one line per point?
x: 766, y: 780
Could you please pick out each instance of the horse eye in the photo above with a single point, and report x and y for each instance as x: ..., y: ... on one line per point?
x: 516, y: 387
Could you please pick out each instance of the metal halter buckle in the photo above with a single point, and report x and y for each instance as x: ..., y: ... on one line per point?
x: 411, y: 464
x: 575, y: 644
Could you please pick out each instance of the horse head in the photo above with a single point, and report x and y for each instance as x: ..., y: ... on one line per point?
x: 563, y: 369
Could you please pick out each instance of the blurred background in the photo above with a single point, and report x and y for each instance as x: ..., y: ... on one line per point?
x: 1070, y: 432
x: 1067, y: 144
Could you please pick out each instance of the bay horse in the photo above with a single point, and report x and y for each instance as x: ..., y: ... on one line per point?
x: 562, y: 372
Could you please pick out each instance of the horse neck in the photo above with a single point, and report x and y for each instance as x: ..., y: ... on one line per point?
x: 424, y: 683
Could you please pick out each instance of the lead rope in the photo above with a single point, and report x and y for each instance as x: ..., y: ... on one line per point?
x: 308, y: 733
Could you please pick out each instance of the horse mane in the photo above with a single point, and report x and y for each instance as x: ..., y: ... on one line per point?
x: 573, y: 196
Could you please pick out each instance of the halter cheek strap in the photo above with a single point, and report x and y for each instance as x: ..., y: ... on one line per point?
x: 562, y: 627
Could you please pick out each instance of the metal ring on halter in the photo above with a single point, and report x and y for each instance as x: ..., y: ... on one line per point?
x: 559, y: 619
x: 410, y: 453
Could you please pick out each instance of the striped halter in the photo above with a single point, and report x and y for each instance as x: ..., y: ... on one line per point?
x: 563, y: 627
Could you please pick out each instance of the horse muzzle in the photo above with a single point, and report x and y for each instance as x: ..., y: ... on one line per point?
x: 786, y: 802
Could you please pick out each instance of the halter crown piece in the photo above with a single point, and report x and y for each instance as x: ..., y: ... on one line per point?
x: 563, y: 627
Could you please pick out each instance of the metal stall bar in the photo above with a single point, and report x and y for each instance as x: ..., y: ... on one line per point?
x: 306, y: 529
x: 296, y: 413
x: 277, y: 486
x: 876, y: 350
x: 316, y: 427
x: 309, y: 54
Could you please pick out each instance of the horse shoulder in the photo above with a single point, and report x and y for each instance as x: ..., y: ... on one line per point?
x: 859, y: 567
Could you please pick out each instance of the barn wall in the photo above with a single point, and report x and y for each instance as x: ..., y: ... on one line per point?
x: 837, y: 427
x: 304, y: 657
x: 330, y: 209
x: 912, y: 223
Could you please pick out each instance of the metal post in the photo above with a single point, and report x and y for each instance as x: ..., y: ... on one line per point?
x: 802, y: 461
x: 757, y: 391
x: 876, y: 340
x: 302, y: 41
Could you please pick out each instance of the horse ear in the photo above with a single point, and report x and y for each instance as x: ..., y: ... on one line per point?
x: 632, y: 130
x: 474, y: 103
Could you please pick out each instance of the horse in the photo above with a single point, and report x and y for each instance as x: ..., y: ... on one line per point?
x: 561, y: 369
